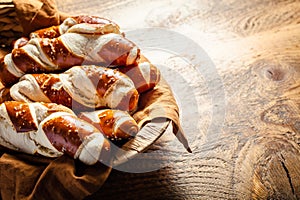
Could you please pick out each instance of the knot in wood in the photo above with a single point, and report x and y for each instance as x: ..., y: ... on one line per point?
x: 274, y: 73
x: 272, y: 70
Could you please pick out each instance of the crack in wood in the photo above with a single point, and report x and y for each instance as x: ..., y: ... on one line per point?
x: 287, y: 174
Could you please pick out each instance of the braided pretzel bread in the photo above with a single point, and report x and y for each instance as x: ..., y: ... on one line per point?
x: 89, y: 86
x: 75, y: 47
x: 144, y: 74
x: 75, y: 24
x: 115, y: 124
x: 79, y: 24
x: 50, y: 130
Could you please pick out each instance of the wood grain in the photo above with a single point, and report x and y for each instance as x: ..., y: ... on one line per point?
x: 255, y: 46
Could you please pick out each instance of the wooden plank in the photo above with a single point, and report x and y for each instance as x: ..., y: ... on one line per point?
x: 255, y: 46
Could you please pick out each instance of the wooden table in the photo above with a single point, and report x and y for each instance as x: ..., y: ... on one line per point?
x: 244, y: 132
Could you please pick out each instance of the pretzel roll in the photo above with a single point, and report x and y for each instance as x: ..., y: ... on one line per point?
x: 144, y: 74
x: 109, y: 49
x: 43, y: 88
x: 50, y: 130
x: 75, y: 24
x: 114, y: 124
x: 80, y: 87
x: 19, y: 125
x: 79, y: 24
x: 70, y: 49
x: 80, y: 140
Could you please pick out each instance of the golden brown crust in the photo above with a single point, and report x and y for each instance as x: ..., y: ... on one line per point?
x: 66, y: 133
x: 51, y: 32
x: 135, y: 73
x: 91, y: 19
x: 56, y: 95
x: 136, y: 76
x: 25, y: 62
x: 129, y: 101
x: 114, y: 124
x: 102, y: 80
x: 7, y: 78
x: 116, y: 51
x: 58, y: 54
x: 20, y: 115
x: 105, y: 124
x: 127, y: 129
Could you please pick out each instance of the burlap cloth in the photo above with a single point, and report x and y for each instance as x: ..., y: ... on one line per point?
x: 30, y: 177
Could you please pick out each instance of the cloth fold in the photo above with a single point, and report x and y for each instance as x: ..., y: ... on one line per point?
x: 37, y: 14
x: 160, y: 103
x: 30, y: 177
x: 34, y: 177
